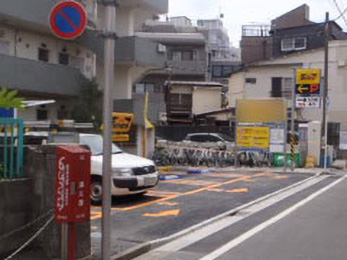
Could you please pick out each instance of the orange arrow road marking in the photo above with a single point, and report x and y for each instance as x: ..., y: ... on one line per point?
x: 167, y: 203
x: 168, y: 213
x: 243, y: 190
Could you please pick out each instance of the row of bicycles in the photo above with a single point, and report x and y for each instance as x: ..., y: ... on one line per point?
x: 197, y: 154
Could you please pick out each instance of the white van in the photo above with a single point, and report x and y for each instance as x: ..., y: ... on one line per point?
x: 130, y: 174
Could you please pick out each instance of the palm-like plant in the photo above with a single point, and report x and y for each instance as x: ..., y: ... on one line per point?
x: 9, y: 99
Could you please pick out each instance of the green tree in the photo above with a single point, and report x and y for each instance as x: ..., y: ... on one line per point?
x: 9, y: 99
x: 88, y: 107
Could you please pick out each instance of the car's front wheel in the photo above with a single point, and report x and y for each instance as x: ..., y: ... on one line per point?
x: 96, y: 190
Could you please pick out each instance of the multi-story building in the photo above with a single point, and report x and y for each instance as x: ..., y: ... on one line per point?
x: 289, y: 33
x: 41, y: 66
x: 223, y: 58
x: 38, y: 64
x: 195, y: 51
x: 274, y: 78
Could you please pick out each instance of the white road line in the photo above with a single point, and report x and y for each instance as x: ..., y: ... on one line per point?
x: 233, y: 243
x: 225, y: 222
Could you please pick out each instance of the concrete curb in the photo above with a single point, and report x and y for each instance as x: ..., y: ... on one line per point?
x: 133, y: 252
x: 147, y: 246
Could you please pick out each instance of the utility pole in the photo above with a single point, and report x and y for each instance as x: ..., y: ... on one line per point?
x: 109, y: 34
x: 324, y: 137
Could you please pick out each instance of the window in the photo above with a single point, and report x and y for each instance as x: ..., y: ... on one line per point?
x: 251, y: 80
x: 41, y: 113
x: 43, y: 54
x: 282, y: 87
x: 217, y: 71
x: 174, y: 55
x: 4, y: 47
x: 64, y: 58
x: 199, y: 138
x: 187, y: 55
x: 276, y: 88
x: 214, y: 139
x: 62, y: 113
x: 142, y: 88
x: 291, y: 44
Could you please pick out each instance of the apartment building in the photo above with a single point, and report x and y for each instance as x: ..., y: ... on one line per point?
x: 223, y: 58
x: 41, y: 66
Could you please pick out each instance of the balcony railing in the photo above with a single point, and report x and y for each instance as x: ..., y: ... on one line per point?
x: 38, y: 77
x: 256, y: 30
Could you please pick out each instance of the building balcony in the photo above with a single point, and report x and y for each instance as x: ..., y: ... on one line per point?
x: 39, y: 78
x: 131, y: 50
x: 256, y: 30
x: 194, y: 68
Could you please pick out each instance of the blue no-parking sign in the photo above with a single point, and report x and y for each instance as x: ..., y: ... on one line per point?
x: 68, y: 20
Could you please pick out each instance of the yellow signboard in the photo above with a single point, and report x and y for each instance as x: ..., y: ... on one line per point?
x: 261, y: 110
x: 308, y: 76
x: 121, y: 138
x: 257, y: 137
x: 122, y: 122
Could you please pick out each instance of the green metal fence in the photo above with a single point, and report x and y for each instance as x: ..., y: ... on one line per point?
x: 11, y: 148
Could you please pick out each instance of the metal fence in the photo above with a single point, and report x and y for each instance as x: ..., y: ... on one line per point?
x: 11, y: 148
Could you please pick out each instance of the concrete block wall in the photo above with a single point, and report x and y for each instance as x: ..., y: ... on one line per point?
x: 15, y: 211
x: 23, y: 201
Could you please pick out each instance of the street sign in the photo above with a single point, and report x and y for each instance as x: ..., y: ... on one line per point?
x: 121, y: 138
x: 308, y: 76
x: 72, y: 191
x: 253, y: 137
x: 308, y: 102
x: 68, y: 20
x: 307, y: 89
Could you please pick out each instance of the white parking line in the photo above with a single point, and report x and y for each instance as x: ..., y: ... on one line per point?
x: 233, y: 243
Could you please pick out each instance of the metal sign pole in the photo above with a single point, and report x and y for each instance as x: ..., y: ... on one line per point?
x: 109, y: 33
x: 285, y: 145
x: 64, y: 241
x: 292, y: 138
x: 326, y: 79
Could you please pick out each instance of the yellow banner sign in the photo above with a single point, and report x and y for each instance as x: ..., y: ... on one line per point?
x: 253, y: 137
x: 308, y: 76
x: 121, y: 138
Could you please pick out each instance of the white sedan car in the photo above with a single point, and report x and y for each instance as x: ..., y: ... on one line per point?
x: 130, y: 174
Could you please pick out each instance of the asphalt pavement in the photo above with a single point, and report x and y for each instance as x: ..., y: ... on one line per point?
x: 317, y: 230
x: 306, y: 222
x: 178, y: 204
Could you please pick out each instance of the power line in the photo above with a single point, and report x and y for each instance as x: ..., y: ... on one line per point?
x: 342, y: 13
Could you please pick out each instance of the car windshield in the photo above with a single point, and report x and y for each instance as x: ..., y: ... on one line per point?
x: 95, y: 143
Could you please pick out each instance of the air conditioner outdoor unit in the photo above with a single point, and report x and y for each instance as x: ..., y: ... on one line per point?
x: 161, y: 48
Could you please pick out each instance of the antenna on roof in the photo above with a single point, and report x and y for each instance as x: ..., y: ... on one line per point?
x: 221, y: 15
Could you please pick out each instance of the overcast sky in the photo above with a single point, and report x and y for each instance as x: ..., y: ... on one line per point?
x: 240, y: 12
